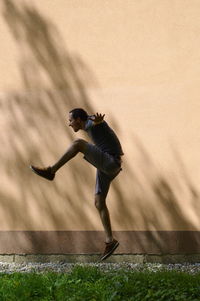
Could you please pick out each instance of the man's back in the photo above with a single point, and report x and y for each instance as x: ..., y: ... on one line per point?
x: 104, y: 138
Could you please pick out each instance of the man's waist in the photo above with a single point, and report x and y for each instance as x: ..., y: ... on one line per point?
x: 117, y: 157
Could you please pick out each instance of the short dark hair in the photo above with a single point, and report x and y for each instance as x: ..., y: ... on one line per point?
x: 78, y: 112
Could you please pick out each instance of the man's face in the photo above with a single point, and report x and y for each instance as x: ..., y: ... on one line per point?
x: 75, y: 123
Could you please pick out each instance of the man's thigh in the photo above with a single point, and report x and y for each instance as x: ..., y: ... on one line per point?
x: 103, y: 182
x: 101, y: 160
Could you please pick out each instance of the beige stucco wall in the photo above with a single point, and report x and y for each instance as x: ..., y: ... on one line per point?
x: 135, y: 61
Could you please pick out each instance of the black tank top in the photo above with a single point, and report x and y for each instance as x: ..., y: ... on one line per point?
x: 104, y: 138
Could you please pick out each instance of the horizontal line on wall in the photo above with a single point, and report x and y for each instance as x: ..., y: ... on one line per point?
x: 92, y: 242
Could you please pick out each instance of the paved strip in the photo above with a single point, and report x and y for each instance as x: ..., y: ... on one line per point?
x: 67, y: 267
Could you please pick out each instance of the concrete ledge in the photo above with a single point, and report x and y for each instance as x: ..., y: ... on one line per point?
x: 7, y: 258
x: 116, y: 258
x: 175, y: 258
x: 69, y: 258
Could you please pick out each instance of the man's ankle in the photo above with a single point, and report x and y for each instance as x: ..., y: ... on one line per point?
x: 109, y: 240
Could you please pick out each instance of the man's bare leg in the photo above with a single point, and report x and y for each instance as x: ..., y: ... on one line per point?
x: 111, y: 243
x: 100, y: 204
x: 48, y: 173
x: 77, y: 146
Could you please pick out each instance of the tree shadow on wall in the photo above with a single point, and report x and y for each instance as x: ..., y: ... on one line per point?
x: 54, y: 81
x: 157, y: 200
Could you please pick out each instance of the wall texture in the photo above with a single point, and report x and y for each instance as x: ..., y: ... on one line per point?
x: 135, y: 61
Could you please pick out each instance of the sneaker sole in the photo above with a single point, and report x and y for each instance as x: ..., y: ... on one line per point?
x: 111, y: 251
x: 31, y: 167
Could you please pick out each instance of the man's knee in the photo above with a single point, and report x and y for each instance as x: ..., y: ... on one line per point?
x: 80, y: 145
x: 100, y: 202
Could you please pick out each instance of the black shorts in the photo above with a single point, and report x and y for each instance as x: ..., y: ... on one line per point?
x: 107, y: 167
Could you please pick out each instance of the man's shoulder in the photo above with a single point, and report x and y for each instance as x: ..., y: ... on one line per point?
x: 88, y: 124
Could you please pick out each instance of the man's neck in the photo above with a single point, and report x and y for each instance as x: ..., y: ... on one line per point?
x: 83, y: 125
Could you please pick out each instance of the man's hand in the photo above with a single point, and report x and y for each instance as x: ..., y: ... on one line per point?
x: 97, y: 118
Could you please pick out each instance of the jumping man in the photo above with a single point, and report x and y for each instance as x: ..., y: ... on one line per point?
x: 105, y: 154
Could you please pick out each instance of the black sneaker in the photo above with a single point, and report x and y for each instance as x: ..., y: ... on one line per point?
x: 43, y: 172
x: 110, y: 248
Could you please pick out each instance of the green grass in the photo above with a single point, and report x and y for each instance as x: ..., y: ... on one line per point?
x: 90, y: 283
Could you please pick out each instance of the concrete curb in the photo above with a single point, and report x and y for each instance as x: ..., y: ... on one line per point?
x: 94, y: 258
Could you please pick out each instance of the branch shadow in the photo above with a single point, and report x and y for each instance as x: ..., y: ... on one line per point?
x: 54, y: 81
x: 158, y: 201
